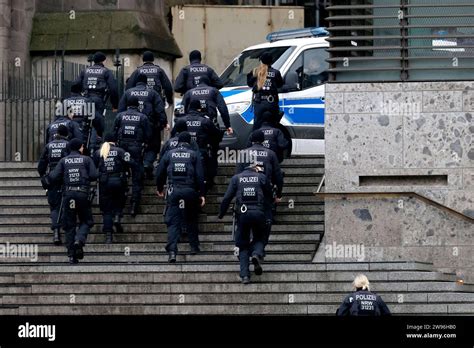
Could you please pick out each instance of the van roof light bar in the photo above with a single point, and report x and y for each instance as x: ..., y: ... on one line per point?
x: 297, y: 33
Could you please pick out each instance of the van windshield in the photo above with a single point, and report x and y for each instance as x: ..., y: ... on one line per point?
x: 236, y: 73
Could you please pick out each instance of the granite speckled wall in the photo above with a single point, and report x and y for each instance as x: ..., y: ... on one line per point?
x: 402, y: 129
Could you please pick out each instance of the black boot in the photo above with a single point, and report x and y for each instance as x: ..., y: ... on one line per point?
x: 108, y: 237
x: 78, y: 251
x: 134, y: 209
x: 57, y: 236
x: 117, y: 224
x: 172, y: 257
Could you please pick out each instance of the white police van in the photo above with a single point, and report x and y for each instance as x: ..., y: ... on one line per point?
x: 300, y: 55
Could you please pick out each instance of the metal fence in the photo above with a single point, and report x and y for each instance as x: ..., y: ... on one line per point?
x: 401, y: 40
x: 28, y: 98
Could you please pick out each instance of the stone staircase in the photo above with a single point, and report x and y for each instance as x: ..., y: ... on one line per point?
x: 132, y: 275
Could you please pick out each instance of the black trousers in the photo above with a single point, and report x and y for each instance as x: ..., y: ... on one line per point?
x: 112, y: 197
x: 54, y: 201
x: 182, y: 212
x: 77, y: 218
x: 136, y: 166
x: 153, y: 148
x: 260, y: 107
x: 253, y: 221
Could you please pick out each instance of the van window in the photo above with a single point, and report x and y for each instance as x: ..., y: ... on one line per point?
x: 236, y: 73
x: 311, y: 68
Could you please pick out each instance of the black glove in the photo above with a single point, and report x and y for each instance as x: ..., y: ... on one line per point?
x: 45, y: 182
x: 220, y: 217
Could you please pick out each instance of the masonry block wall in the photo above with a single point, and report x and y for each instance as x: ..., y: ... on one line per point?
x: 400, y: 138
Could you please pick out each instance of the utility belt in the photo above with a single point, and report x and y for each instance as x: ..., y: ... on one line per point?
x: 96, y: 93
x: 127, y: 142
x: 243, y: 208
x: 270, y: 98
x: 83, y: 189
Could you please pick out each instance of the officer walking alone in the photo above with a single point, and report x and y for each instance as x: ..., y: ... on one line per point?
x: 362, y: 302
x: 191, y: 75
x: 186, y: 192
x: 77, y: 172
x: 133, y: 131
x: 253, y: 194
x: 50, y: 157
x: 265, y: 81
x: 112, y: 163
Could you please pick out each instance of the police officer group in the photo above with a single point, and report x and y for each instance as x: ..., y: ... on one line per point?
x: 78, y: 154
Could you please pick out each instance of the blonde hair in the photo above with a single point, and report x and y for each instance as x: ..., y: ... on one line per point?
x: 261, y: 73
x: 361, y: 282
x: 104, y: 150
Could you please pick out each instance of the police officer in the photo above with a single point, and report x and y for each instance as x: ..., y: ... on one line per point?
x: 112, y: 163
x: 152, y: 106
x: 211, y: 100
x: 82, y: 110
x: 205, y: 134
x: 172, y: 142
x: 50, y: 157
x: 267, y: 159
x: 99, y: 82
x: 363, y: 302
x: 265, y: 81
x: 253, y: 194
x: 63, y: 120
x: 186, y: 191
x: 133, y: 131
x: 156, y: 78
x: 77, y: 172
x: 190, y: 76
x: 273, y: 137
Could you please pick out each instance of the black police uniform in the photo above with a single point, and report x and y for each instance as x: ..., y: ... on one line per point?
x: 265, y: 99
x: 191, y: 75
x: 211, y: 100
x: 272, y: 170
x: 204, y: 132
x: 133, y: 131
x: 173, y: 142
x: 50, y: 157
x: 77, y: 172
x: 73, y: 128
x: 183, y: 168
x: 98, y: 81
x: 363, y: 303
x: 274, y: 140
x: 253, y: 194
x: 152, y: 106
x: 112, y: 187
x: 156, y: 79
x: 80, y: 106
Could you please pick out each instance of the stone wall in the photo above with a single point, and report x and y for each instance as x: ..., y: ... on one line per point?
x: 401, y: 138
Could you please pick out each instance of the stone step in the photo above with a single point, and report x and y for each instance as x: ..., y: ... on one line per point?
x: 293, y: 189
x: 160, y: 257
x: 35, y: 181
x: 311, y: 170
x: 226, y: 309
x: 223, y: 277
x: 232, y: 287
x: 303, y: 198
x: 153, y: 228
x: 184, y: 247
x: 206, y: 268
x: 159, y: 218
x: 42, y: 209
x: 46, y: 238
x: 216, y: 299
